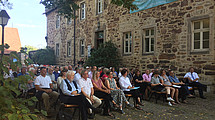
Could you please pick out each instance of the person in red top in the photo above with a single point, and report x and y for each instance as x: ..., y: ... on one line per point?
x: 101, y: 91
x: 104, y: 76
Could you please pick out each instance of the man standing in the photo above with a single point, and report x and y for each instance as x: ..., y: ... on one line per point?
x: 87, y: 89
x: 194, y: 81
x: 44, y: 86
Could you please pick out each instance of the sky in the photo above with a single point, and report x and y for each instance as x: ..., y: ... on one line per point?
x: 28, y: 17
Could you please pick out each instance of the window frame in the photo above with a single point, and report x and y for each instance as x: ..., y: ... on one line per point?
x: 130, y: 43
x: 82, y: 45
x: 57, y: 49
x: 97, y: 6
x: 201, y: 30
x: 68, y: 50
x: 150, y: 39
x: 57, y: 22
x: 81, y: 17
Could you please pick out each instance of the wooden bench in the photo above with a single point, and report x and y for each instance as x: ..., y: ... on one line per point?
x: 69, y: 106
x: 129, y: 96
x: 157, y: 95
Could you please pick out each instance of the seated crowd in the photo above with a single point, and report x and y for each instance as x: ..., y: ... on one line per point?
x: 89, y: 87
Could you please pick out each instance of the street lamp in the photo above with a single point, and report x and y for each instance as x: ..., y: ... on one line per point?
x: 4, y: 17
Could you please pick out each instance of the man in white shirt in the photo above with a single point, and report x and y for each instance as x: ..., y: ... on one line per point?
x: 87, y: 89
x: 193, y: 81
x: 44, y: 86
x: 77, y: 74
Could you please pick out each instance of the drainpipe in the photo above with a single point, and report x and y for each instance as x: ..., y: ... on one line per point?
x: 74, y: 36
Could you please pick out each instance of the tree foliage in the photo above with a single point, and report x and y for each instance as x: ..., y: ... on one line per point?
x: 44, y: 56
x: 6, y: 4
x: 12, y: 106
x: 67, y: 7
x: 30, y: 48
x: 106, y: 55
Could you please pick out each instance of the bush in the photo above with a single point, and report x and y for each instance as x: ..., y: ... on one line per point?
x: 44, y: 56
x: 12, y: 106
x: 106, y: 55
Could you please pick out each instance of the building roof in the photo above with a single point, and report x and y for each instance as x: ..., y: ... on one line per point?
x: 11, y: 37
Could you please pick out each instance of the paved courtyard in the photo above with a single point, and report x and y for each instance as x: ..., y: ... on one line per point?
x: 196, y: 109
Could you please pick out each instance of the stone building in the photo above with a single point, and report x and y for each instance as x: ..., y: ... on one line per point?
x: 176, y: 35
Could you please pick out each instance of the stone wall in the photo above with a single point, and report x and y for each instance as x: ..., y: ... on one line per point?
x: 172, y: 25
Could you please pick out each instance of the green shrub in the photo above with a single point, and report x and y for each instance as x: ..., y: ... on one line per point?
x: 44, y: 56
x: 106, y: 55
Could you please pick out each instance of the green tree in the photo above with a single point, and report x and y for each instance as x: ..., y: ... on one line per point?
x: 106, y: 55
x: 66, y: 7
x: 12, y: 106
x: 6, y: 4
x: 44, y: 56
x: 30, y: 48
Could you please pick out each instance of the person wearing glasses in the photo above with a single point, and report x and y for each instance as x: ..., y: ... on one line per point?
x: 87, y: 90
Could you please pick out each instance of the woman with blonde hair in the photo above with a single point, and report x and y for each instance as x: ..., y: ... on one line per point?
x: 101, y: 91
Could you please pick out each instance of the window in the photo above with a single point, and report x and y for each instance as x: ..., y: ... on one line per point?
x: 82, y: 11
x: 148, y: 41
x: 57, y: 21
x: 99, y: 39
x: 99, y: 6
x: 57, y: 51
x: 68, y: 49
x: 127, y: 43
x: 69, y: 21
x: 200, y: 34
x: 82, y: 48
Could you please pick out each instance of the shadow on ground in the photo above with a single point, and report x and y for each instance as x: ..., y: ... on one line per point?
x: 196, y: 109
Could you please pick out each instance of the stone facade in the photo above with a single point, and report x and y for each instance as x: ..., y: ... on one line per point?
x: 172, y: 25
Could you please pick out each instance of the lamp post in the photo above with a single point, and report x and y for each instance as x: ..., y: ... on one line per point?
x: 4, y: 17
x: 74, y: 11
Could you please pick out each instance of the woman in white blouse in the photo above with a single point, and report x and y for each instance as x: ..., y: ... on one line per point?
x: 127, y: 88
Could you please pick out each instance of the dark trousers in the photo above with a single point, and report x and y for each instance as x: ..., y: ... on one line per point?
x: 199, y: 86
x: 107, y: 99
x: 183, y: 92
x: 135, y: 94
x: 142, y: 87
x: 81, y: 101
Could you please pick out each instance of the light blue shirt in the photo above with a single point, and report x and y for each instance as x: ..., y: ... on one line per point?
x: 192, y: 76
x: 174, y: 79
x: 66, y: 91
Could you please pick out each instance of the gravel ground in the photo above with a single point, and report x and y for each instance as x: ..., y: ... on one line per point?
x: 195, y: 109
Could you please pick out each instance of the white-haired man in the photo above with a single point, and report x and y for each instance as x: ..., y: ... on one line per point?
x: 71, y: 94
